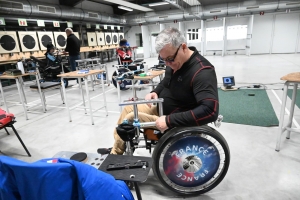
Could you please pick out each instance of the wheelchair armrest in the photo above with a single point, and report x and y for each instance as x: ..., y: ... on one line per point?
x: 159, y: 100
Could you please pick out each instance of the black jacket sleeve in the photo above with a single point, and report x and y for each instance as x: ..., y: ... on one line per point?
x: 68, y: 46
x: 205, y: 90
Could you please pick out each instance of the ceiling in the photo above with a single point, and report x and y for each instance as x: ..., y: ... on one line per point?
x: 115, y: 3
x: 142, y: 6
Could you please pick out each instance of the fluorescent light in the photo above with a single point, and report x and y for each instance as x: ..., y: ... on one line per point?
x: 158, y: 4
x: 165, y: 16
x: 215, y: 11
x: 192, y: 2
x: 125, y: 8
x: 252, y: 7
x: 293, y: 3
x: 130, y: 5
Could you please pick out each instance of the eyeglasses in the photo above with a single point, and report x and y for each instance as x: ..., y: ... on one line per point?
x: 170, y: 60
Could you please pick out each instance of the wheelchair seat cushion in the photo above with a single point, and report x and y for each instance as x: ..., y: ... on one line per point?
x: 152, y: 134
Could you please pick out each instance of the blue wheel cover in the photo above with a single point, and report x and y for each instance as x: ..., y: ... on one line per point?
x: 124, y: 83
x: 191, y: 161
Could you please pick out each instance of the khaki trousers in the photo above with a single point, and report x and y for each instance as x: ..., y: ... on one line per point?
x: 145, y: 113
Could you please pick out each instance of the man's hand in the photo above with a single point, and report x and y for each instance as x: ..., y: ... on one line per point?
x: 149, y: 96
x: 64, y: 52
x: 161, y: 123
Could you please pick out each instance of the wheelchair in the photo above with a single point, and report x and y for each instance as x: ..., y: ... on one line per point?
x: 187, y: 160
x: 49, y: 73
x: 127, y: 68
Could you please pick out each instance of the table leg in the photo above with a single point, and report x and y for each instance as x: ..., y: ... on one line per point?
x: 281, y: 118
x: 81, y: 92
x: 65, y: 97
x: 2, y: 93
x: 21, y: 97
x: 40, y: 92
x: 92, y: 81
x: 22, y: 88
x: 88, y: 98
x: 104, y: 96
x: 107, y: 77
x: 137, y: 190
x: 292, y: 108
x: 119, y: 95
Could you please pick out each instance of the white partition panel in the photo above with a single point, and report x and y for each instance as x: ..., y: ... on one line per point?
x: 285, y: 33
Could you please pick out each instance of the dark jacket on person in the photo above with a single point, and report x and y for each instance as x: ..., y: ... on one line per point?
x: 190, y: 94
x: 73, y: 45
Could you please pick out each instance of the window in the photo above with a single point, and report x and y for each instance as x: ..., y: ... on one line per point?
x: 214, y: 34
x: 194, y: 35
x: 237, y: 32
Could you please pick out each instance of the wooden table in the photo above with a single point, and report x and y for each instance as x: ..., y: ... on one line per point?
x: 75, y: 74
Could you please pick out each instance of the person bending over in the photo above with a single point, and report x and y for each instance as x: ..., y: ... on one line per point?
x: 189, y: 89
x: 124, y: 52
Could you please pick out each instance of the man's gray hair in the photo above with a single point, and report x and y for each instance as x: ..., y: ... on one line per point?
x: 170, y: 36
x: 69, y: 29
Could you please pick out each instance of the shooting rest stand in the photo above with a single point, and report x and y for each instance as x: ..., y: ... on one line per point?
x: 121, y: 167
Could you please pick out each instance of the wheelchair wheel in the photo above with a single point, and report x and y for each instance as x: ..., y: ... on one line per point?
x: 191, y: 160
x: 123, y: 82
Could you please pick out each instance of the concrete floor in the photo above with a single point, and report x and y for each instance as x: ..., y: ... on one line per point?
x: 256, y: 170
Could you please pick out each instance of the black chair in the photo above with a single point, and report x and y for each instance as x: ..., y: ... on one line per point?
x: 10, y: 124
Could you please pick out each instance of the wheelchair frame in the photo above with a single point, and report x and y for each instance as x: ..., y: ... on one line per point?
x: 205, y: 171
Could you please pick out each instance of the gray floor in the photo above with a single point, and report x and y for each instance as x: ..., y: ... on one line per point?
x: 256, y: 170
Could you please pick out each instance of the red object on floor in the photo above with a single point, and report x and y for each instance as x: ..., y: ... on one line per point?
x: 5, y: 118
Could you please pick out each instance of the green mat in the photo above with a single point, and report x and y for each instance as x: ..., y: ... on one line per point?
x: 240, y: 108
x: 290, y: 93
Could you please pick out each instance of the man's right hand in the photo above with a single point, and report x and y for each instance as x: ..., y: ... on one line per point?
x: 149, y: 96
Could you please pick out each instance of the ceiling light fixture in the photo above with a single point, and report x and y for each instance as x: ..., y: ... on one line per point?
x: 158, y: 4
x: 125, y: 8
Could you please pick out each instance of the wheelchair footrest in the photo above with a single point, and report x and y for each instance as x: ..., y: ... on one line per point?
x: 120, y: 166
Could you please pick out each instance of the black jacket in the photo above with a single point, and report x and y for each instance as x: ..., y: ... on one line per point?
x: 190, y: 94
x: 73, y: 45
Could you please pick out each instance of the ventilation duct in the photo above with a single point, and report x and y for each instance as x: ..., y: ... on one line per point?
x: 22, y: 8
x: 29, y: 8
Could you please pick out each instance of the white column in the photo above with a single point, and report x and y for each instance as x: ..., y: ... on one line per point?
x: 249, y: 35
x: 203, y: 38
x: 162, y: 27
x: 224, y: 36
x: 182, y: 27
x: 146, y: 41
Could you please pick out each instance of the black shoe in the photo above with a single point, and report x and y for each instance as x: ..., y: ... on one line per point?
x: 104, y: 150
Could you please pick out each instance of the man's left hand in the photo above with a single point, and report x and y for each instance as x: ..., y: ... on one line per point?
x: 161, y: 123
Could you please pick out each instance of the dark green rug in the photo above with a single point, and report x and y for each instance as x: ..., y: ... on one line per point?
x: 290, y: 93
x: 240, y: 108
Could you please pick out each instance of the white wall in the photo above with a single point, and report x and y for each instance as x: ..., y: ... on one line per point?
x: 146, y: 41
x: 236, y: 46
x: 262, y: 34
x: 285, y: 33
x: 214, y: 46
x: 130, y: 34
x: 194, y: 25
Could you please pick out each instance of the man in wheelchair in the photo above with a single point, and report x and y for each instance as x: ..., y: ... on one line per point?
x: 51, y: 59
x: 189, y: 89
x: 124, y: 55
